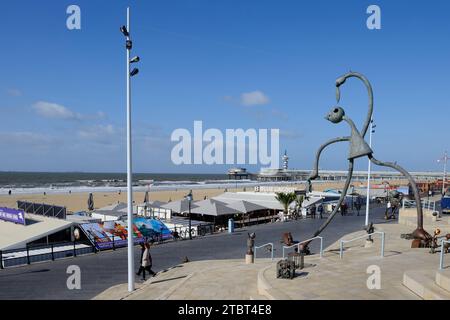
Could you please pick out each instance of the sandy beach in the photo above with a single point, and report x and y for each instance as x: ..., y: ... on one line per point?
x: 78, y: 201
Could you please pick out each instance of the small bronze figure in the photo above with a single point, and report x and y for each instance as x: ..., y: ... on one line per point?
x: 251, y: 243
x: 370, y: 229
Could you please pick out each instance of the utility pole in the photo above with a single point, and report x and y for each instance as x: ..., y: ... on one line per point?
x: 371, y: 130
x: 444, y: 178
x: 129, y: 45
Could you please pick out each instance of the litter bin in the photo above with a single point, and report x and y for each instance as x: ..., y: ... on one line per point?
x: 230, y: 225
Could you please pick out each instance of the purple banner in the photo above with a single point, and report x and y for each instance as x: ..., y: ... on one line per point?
x: 12, y: 215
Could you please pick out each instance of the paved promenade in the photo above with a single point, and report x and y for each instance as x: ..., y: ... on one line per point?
x: 323, y: 278
x: 107, y: 269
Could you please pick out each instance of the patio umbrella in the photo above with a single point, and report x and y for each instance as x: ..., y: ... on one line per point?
x: 146, y: 197
x: 90, y: 202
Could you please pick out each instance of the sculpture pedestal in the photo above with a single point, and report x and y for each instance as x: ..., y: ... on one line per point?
x: 249, y: 259
x: 368, y: 244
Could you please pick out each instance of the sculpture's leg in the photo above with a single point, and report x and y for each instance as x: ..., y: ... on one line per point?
x: 340, y: 201
x: 419, y: 233
x: 315, y: 172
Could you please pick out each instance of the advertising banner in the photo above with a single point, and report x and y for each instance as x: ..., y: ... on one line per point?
x: 110, y: 234
x: 12, y: 215
x: 152, y: 228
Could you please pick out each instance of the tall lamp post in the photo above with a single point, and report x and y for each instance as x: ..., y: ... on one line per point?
x: 372, y: 127
x: 189, y: 198
x: 129, y: 45
x: 444, y: 179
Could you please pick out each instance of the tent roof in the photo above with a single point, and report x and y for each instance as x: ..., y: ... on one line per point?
x: 14, y: 236
x: 245, y: 206
x: 178, y: 206
x: 153, y: 204
x: 266, y: 200
x: 212, y: 207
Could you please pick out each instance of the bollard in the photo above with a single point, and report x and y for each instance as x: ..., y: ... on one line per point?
x: 230, y: 225
x: 53, y: 255
x: 1, y: 259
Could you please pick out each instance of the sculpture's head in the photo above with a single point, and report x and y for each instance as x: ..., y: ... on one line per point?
x: 336, y: 115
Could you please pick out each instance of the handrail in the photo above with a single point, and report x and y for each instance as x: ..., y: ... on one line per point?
x: 288, y: 247
x: 307, y: 240
x: 341, y: 243
x: 425, y: 203
x: 264, y: 245
x: 321, y: 244
x: 441, y: 258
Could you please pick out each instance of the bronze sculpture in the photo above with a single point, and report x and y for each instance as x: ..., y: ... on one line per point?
x: 395, y: 199
x: 251, y: 243
x: 359, y: 148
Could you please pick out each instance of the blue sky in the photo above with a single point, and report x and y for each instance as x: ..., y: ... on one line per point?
x: 62, y: 92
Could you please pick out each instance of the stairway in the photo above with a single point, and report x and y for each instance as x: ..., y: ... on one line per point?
x: 427, y: 286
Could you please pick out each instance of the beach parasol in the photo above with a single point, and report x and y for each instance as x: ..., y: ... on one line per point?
x: 146, y: 197
x: 90, y: 202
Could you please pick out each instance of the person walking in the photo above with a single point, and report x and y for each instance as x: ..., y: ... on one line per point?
x: 320, y: 210
x: 141, y: 268
x: 147, y: 261
x: 358, y: 206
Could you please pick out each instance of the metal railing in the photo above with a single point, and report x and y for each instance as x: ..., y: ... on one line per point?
x: 341, y: 243
x: 441, y: 258
x: 40, y: 253
x: 321, y: 244
x: 426, y: 204
x: 263, y: 246
x: 289, y: 247
x: 308, y: 240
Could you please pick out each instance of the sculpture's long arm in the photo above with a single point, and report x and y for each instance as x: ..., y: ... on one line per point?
x: 366, y: 82
x: 315, y: 172
x: 415, y: 190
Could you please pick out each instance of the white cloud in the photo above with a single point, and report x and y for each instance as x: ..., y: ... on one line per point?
x: 55, y: 111
x: 254, y: 98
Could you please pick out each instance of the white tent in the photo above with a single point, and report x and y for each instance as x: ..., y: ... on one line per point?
x: 213, y: 207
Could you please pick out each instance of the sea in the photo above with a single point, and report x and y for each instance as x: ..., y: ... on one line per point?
x: 64, y: 182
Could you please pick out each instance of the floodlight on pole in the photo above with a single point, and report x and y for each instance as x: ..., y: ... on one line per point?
x: 129, y: 45
x: 124, y: 30
x: 134, y: 72
x: 135, y: 59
